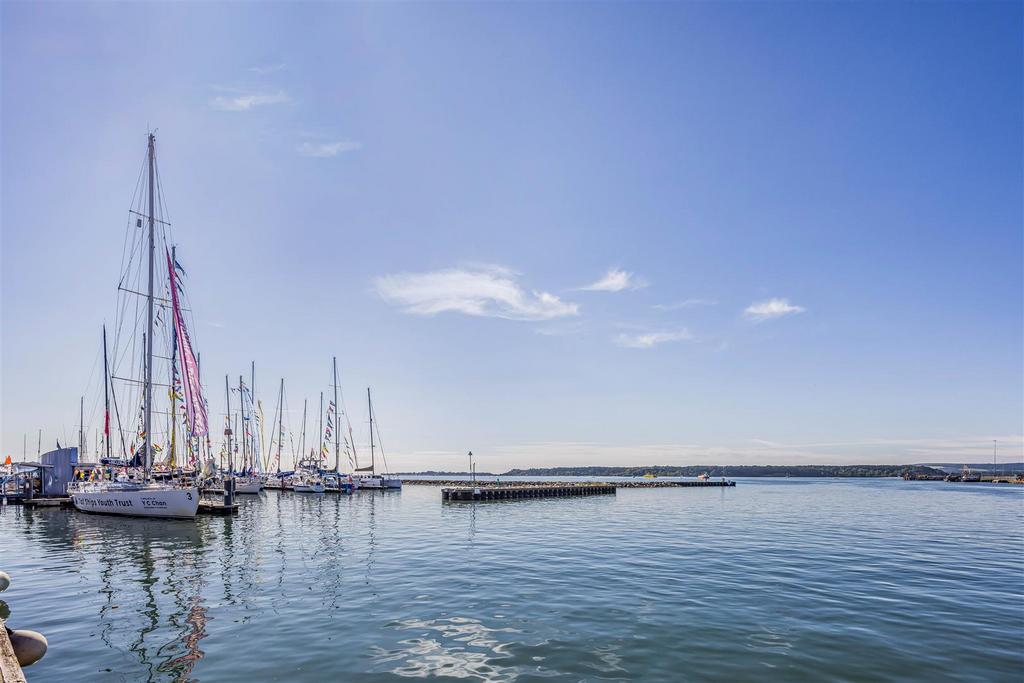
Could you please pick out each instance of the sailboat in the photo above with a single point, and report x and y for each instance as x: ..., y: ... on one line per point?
x: 306, y: 478
x: 248, y: 481
x: 307, y: 482
x: 375, y: 481
x: 334, y: 481
x: 145, y: 497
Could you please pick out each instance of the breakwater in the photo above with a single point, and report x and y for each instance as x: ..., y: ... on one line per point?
x: 474, y: 493
x: 653, y: 484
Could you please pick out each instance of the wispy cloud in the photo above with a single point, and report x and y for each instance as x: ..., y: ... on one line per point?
x: 615, y: 280
x: 560, y: 329
x: 491, y: 292
x: 759, y: 311
x: 236, y: 100
x: 687, y: 303
x: 647, y: 340
x: 327, y: 149
x: 263, y: 69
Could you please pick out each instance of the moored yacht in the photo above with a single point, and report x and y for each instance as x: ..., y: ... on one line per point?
x: 374, y: 481
x: 308, y: 483
x: 248, y: 485
x: 148, y: 498
x: 135, y: 499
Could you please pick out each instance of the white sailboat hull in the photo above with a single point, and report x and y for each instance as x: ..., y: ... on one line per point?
x: 151, y: 501
x: 309, y: 488
x: 253, y: 486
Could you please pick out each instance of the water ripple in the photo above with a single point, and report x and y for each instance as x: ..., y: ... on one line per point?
x: 797, y: 580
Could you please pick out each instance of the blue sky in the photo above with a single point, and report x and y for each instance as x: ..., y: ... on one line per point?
x: 550, y: 233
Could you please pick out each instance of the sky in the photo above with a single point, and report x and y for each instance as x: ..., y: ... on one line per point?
x: 552, y: 234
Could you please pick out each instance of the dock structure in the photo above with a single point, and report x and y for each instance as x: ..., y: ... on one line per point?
x: 10, y: 670
x: 476, y: 493
x: 626, y: 484
x: 216, y: 507
x: 62, y: 502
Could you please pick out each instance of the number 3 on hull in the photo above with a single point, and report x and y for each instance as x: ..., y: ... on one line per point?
x: 144, y: 501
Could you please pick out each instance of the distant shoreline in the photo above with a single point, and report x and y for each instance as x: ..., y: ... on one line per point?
x: 729, y: 471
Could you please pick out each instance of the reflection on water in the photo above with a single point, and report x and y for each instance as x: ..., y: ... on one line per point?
x: 456, y: 646
x: 150, y: 578
x: 793, y: 580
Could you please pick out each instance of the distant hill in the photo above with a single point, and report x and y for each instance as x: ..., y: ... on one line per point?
x: 730, y: 471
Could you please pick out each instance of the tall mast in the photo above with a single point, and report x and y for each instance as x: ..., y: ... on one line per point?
x: 106, y: 394
x: 280, y: 425
x: 241, y: 403
x: 369, y: 402
x: 81, y: 426
x: 227, y: 429
x: 149, y: 305
x: 204, y: 447
x: 172, y: 456
x: 302, y: 441
x: 252, y: 418
x: 337, y: 418
x: 320, y: 430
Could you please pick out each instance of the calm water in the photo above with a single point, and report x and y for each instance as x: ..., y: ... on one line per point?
x: 792, y: 579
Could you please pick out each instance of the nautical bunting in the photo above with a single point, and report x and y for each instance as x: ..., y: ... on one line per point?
x: 195, y: 406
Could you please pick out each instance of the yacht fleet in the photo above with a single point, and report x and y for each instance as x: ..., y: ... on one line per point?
x: 159, y: 460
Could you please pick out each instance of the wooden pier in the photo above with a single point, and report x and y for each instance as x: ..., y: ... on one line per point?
x: 216, y: 507
x: 626, y: 484
x: 63, y: 502
x: 475, y: 493
x: 10, y: 670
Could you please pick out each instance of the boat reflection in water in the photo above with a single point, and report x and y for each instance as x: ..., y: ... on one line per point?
x: 151, y: 580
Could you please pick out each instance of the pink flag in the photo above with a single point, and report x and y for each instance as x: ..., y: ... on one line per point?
x: 195, y: 406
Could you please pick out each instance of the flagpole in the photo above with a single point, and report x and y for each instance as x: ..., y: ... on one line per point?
x: 229, y: 481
